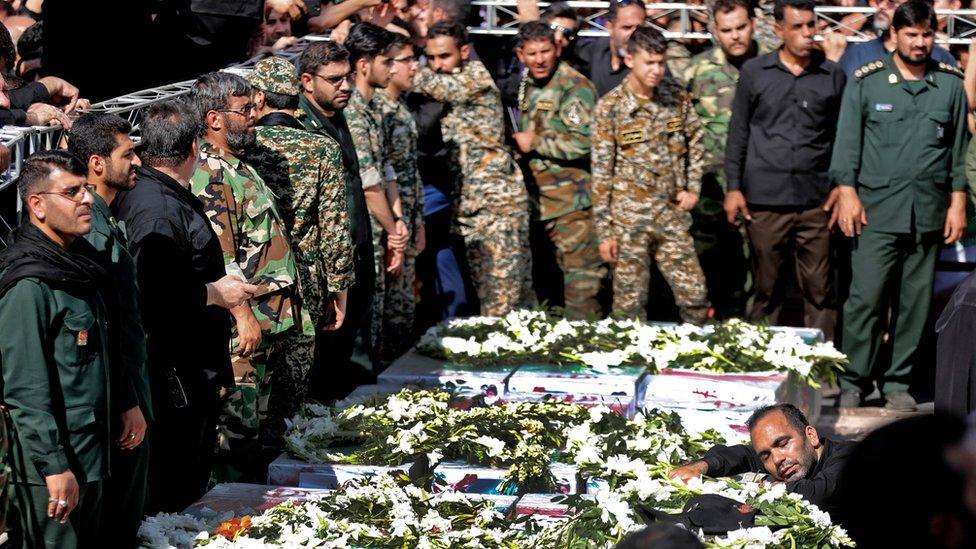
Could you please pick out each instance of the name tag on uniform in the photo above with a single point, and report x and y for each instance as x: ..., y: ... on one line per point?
x: 673, y: 125
x: 884, y: 107
x: 82, y: 338
x: 629, y: 137
x: 545, y: 106
x: 940, y: 132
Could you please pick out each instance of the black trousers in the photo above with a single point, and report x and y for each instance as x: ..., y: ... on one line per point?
x: 333, y: 376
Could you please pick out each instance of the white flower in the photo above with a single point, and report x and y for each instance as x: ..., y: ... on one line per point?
x: 603, y: 360
x: 495, y: 447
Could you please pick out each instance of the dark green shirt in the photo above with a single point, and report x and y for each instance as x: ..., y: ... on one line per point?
x: 902, y: 145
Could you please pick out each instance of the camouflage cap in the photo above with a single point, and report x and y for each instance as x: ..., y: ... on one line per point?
x: 275, y: 75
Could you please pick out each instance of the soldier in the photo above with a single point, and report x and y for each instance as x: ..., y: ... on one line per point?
x: 272, y: 330
x: 493, y: 210
x: 304, y: 171
x: 555, y: 104
x: 101, y: 141
x: 647, y: 166
x: 372, y: 68
x: 601, y: 59
x: 400, y: 135
x: 710, y: 79
x: 899, y: 161
x: 55, y: 353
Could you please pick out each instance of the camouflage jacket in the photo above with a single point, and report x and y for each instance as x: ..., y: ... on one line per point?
x: 475, y: 126
x: 559, y: 111
x: 643, y: 154
x: 400, y: 135
x: 304, y: 170
x: 242, y: 211
x: 365, y: 125
x: 711, y: 81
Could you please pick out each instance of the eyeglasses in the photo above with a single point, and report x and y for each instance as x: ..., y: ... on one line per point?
x: 74, y: 194
x: 243, y: 111
x: 335, y: 80
x: 568, y: 33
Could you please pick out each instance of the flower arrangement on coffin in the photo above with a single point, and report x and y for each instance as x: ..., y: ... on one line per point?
x: 523, y: 337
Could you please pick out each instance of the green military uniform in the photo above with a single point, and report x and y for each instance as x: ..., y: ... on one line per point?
x: 304, y: 172
x: 54, y: 354
x: 492, y: 209
x: 901, y: 144
x: 126, y: 490
x: 242, y: 211
x: 711, y: 79
x: 559, y: 111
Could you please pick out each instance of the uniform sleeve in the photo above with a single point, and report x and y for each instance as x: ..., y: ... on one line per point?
x: 971, y: 169
x: 335, y: 255
x: 222, y: 210
x: 568, y: 137
x: 960, y: 141
x: 601, y: 163
x: 696, y: 152
x: 370, y: 171
x: 738, y: 138
x: 134, y: 382
x: 27, y: 376
x: 845, y: 159
x: 456, y: 88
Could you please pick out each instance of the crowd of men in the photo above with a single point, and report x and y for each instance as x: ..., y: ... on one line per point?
x: 281, y: 237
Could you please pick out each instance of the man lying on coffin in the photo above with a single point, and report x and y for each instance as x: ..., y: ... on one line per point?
x: 784, y: 445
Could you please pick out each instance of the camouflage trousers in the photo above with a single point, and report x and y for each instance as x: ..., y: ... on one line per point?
x: 667, y: 240
x: 394, y: 303
x: 251, y: 416
x: 577, y: 253
x: 500, y: 260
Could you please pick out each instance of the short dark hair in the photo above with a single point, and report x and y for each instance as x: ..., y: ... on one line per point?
x: 452, y: 30
x: 780, y: 7
x: 660, y: 536
x: 400, y: 41
x: 93, y: 133
x: 793, y: 415
x: 532, y: 31
x: 726, y: 6
x: 168, y: 132
x: 366, y: 41
x: 648, y: 39
x: 560, y: 10
x: 318, y: 54
x: 617, y: 5
x: 7, y: 50
x: 455, y: 11
x: 280, y: 100
x: 38, y: 167
x: 915, y: 13
x: 212, y: 92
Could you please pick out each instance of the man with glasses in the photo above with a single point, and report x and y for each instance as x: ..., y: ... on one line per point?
x: 602, y: 60
x: 564, y: 21
x: 273, y: 330
x: 304, y: 170
x: 368, y: 47
x: 326, y: 84
x: 55, y: 348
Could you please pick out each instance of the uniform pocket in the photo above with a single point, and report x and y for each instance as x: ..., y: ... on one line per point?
x: 80, y: 329
x: 79, y: 418
x: 873, y: 181
x: 938, y: 126
x: 260, y: 219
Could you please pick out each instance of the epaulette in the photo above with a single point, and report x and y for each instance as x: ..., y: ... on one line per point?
x: 872, y: 67
x: 945, y: 67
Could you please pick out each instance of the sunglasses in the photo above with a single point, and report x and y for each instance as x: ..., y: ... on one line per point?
x: 568, y: 33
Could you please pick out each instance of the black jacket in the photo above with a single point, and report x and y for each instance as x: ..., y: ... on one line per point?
x: 177, y: 254
x: 20, y: 99
x: 955, y: 364
x: 816, y: 487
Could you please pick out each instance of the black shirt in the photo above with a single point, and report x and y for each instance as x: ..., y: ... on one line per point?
x: 816, y: 487
x: 434, y: 156
x: 20, y: 99
x: 782, y: 130
x: 177, y: 253
x: 955, y: 364
x: 593, y: 59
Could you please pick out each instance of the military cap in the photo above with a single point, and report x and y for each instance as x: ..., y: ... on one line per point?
x: 275, y: 75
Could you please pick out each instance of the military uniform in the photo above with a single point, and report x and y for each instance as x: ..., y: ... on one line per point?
x: 901, y: 144
x: 493, y: 209
x: 400, y: 136
x: 243, y: 213
x: 559, y: 111
x: 644, y: 152
x: 55, y: 362
x: 711, y: 79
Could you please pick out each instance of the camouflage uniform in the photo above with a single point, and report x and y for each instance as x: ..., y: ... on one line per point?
x: 366, y: 128
x: 493, y: 209
x: 559, y: 112
x: 244, y: 216
x: 711, y: 81
x: 400, y: 135
x: 644, y: 153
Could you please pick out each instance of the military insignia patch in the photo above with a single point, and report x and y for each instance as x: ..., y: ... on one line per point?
x: 574, y: 113
x: 673, y: 125
x: 629, y: 137
x: 544, y: 105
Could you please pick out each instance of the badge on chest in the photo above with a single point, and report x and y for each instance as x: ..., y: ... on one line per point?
x: 631, y: 136
x: 544, y: 105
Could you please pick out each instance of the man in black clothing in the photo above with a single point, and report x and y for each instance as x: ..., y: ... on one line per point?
x: 602, y: 59
x: 955, y: 364
x: 326, y: 81
x: 185, y: 295
x: 786, y: 446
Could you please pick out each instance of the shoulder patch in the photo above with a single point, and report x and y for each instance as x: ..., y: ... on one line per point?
x: 574, y: 113
x: 945, y: 67
x: 869, y: 68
